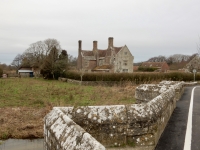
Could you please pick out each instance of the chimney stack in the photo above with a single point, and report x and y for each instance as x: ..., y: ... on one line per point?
x: 110, y: 42
x: 79, y: 45
x: 79, y: 61
x: 94, y: 45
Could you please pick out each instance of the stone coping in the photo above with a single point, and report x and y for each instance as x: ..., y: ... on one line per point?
x: 68, y: 134
x: 121, y: 121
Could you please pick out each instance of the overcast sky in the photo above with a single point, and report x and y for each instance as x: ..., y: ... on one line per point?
x: 148, y: 27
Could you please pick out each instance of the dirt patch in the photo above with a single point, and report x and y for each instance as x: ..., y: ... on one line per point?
x: 22, y: 122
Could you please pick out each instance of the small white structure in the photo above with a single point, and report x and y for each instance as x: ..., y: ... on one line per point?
x: 25, y: 72
x: 4, y: 76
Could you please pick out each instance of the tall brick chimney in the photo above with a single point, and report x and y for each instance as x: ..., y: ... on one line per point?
x: 79, y: 61
x: 95, y: 51
x: 79, y: 45
x: 94, y: 45
x: 110, y: 42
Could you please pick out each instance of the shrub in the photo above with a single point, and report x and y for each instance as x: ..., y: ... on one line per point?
x: 148, y: 69
x: 1, y: 72
x: 138, y: 78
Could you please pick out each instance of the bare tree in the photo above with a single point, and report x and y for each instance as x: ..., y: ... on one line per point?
x: 17, y: 61
x: 43, y: 55
x: 72, y: 60
x: 159, y: 58
x: 49, y: 65
x: 177, y: 58
x: 50, y: 43
x: 36, y: 53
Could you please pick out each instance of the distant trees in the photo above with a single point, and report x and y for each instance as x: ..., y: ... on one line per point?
x: 17, y: 61
x: 159, y: 58
x: 72, y: 60
x: 176, y: 58
x: 45, y: 55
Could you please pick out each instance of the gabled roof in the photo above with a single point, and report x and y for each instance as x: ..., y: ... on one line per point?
x: 25, y: 70
x: 87, y: 53
x: 153, y: 64
x: 117, y: 49
x: 102, y: 53
x: 194, y: 63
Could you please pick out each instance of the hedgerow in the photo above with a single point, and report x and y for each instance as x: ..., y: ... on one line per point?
x: 138, y: 78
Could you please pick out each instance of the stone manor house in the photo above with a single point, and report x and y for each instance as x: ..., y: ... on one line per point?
x: 113, y: 59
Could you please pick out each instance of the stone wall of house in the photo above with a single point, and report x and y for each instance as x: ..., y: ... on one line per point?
x: 123, y: 61
x: 136, y: 126
x: 194, y: 64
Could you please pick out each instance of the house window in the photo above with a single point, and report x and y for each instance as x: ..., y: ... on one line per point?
x: 125, y: 63
x: 86, y: 63
x: 125, y: 53
x: 125, y: 70
x: 100, y: 62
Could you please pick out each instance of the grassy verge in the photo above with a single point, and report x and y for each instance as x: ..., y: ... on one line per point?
x: 30, y: 92
x: 24, y: 102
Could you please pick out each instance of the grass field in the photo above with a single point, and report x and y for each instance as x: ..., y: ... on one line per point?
x: 31, y: 92
x: 24, y: 102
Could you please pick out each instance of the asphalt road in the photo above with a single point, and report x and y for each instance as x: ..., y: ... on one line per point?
x: 195, y: 145
x: 173, y: 137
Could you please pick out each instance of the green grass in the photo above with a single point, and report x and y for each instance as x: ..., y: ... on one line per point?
x: 1, y: 142
x: 31, y: 92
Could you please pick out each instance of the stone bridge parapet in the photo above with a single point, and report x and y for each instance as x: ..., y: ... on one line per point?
x: 146, y: 92
x: 136, y: 126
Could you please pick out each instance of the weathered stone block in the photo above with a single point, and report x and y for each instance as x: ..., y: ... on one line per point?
x: 63, y: 133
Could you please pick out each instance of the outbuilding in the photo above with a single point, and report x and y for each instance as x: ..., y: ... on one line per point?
x: 25, y: 72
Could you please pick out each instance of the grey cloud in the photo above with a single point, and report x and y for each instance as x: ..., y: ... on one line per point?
x: 148, y: 28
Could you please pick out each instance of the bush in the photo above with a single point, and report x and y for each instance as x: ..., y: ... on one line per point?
x: 138, y: 78
x: 1, y: 72
x: 148, y: 69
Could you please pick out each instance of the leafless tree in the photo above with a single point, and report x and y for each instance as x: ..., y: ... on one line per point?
x: 44, y: 55
x: 177, y: 58
x: 50, y: 43
x: 72, y: 60
x: 159, y: 58
x: 36, y: 54
x: 17, y: 61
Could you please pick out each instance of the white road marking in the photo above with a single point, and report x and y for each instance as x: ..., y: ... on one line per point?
x: 188, y: 136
